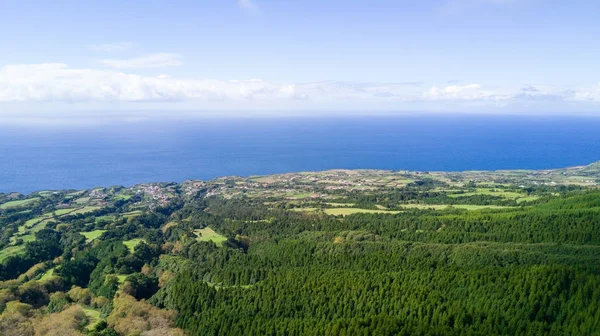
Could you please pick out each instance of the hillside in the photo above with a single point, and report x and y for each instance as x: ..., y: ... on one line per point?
x: 340, y: 252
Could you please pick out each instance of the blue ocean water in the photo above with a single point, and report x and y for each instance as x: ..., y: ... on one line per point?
x: 44, y: 158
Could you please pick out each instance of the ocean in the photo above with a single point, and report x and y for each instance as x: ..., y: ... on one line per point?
x: 38, y: 158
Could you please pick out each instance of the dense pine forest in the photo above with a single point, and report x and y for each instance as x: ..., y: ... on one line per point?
x: 430, y: 257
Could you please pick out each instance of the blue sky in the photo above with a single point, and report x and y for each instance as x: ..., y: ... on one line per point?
x: 231, y: 56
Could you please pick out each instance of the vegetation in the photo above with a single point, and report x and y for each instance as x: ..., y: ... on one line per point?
x: 332, y: 253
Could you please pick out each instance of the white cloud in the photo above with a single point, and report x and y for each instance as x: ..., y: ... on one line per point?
x: 160, y: 60
x: 465, y: 92
x: 111, y: 47
x: 57, y: 83
x: 249, y: 6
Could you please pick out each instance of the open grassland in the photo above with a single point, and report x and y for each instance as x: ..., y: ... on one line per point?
x: 61, y: 212
x: 48, y: 275
x: 455, y: 206
x: 132, y: 243
x: 339, y: 205
x: 123, y: 197
x: 121, y: 277
x: 11, y: 251
x: 85, y: 210
x: 132, y: 214
x: 351, y: 211
x: 208, y: 234
x: 510, y: 195
x: 19, y: 203
x: 89, y: 236
x: 105, y: 218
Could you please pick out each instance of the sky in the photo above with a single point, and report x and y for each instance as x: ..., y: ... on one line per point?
x: 126, y: 59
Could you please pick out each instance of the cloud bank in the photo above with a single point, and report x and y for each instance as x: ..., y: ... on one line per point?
x: 59, y: 83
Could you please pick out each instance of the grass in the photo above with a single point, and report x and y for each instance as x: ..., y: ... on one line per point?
x: 301, y: 195
x: 132, y: 213
x: 19, y: 203
x: 305, y: 209
x: 36, y: 220
x: 340, y: 204
x: 61, y: 212
x: 122, y: 197
x: 82, y: 200
x: 85, y: 210
x: 90, y: 236
x: 493, y: 192
x: 11, y: 251
x: 527, y: 199
x: 351, y: 211
x: 93, y: 317
x: 456, y: 206
x: 132, y: 243
x: 48, y: 275
x: 105, y: 218
x: 208, y: 234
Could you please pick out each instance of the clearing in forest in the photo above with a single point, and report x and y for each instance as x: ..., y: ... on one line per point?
x: 89, y: 236
x: 132, y: 243
x: 208, y: 234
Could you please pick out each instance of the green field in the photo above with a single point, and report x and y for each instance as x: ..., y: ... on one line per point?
x: 208, y: 234
x: 19, y: 203
x: 132, y: 213
x: 93, y: 317
x: 89, y: 236
x: 49, y: 274
x: 132, y: 243
x: 456, y: 206
x: 105, y: 218
x: 11, y: 251
x: 123, y: 197
x: 493, y: 192
x: 85, y: 210
x: 61, y: 212
x: 122, y: 277
x: 333, y: 204
x: 351, y: 211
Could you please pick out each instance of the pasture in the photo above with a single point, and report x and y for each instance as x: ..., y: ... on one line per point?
x: 449, y: 206
x: 208, y: 234
x: 11, y: 251
x: 132, y: 243
x: 19, y: 203
x: 92, y: 235
x: 351, y: 211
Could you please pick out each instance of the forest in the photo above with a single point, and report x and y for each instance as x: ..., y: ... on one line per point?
x: 182, y: 259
